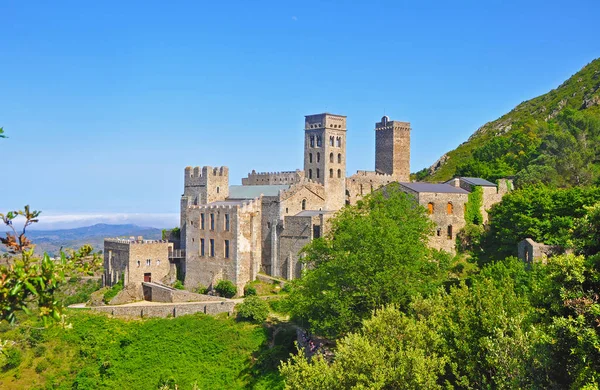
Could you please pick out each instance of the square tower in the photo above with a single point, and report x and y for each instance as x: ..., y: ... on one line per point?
x: 392, y: 149
x: 325, y: 156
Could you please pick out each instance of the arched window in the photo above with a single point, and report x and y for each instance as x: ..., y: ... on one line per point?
x: 217, y: 190
x: 310, y: 173
x: 310, y: 157
x: 318, y: 157
x: 339, y: 173
x: 318, y: 172
x: 331, y: 140
x: 338, y: 142
x: 449, y: 208
x: 319, y: 141
x: 449, y: 232
x: 430, y: 208
x: 303, y: 204
x: 339, y: 158
x: 312, y: 141
x: 331, y: 173
x: 330, y: 157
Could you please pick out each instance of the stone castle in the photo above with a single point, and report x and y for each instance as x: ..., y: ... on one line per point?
x: 233, y: 232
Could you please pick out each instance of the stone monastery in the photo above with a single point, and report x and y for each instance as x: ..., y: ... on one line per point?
x: 233, y: 232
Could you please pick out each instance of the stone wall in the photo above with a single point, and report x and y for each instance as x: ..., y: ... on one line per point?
x: 133, y: 259
x: 172, y: 310
x: 392, y: 148
x: 448, y: 216
x: 272, y: 178
x: 363, y: 183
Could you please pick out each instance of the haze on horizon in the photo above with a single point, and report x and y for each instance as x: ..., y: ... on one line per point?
x: 105, y: 104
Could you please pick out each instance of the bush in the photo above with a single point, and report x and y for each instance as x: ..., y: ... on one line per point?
x: 249, y: 291
x: 226, y: 289
x: 112, y: 292
x: 253, y: 309
x: 41, y: 366
x: 14, y: 357
x: 201, y: 289
x: 178, y: 285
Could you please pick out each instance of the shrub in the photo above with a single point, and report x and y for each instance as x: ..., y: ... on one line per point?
x: 113, y: 291
x: 253, y: 309
x: 201, y: 289
x: 14, y: 357
x: 178, y: 285
x: 249, y: 290
x: 287, y: 287
x: 226, y: 289
x: 41, y: 366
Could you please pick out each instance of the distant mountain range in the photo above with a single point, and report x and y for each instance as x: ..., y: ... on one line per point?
x: 51, y: 241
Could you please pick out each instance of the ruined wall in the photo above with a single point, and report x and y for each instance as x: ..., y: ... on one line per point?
x: 272, y: 178
x: 392, y: 148
x: 363, y: 183
x: 133, y: 259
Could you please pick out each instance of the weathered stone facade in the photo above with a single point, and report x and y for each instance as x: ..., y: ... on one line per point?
x: 272, y: 178
x: 491, y: 193
x: 392, y: 149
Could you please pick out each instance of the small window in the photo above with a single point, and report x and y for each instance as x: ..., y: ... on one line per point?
x: 330, y: 157
x: 312, y: 141
x: 339, y: 158
x: 286, y: 210
x: 226, y: 249
x: 439, y: 232
x: 303, y: 204
x: 217, y: 190
x: 338, y: 142
x: 449, y: 208
x: 318, y: 171
x: 212, y: 247
x: 212, y: 222
x: 157, y: 262
x: 331, y: 173
x: 148, y: 262
x: 202, y: 221
x: 361, y: 189
x: 310, y: 173
x: 449, y: 232
x: 202, y: 247
x: 227, y: 222
x: 318, y: 157
x: 339, y: 173
x: 139, y: 263
x: 430, y: 208
x: 331, y: 141
x: 310, y: 157
x: 319, y: 141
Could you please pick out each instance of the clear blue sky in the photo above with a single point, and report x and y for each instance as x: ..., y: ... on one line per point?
x: 106, y: 102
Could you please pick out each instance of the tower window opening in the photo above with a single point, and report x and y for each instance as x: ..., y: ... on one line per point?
x: 318, y: 171
x: 319, y: 141
x: 331, y: 173
x: 331, y: 141
x: 339, y: 173
x: 212, y: 247
x: 303, y: 204
x: 330, y: 157
x: 318, y: 157
x: 212, y: 222
x: 310, y: 157
x: 338, y: 141
x: 310, y: 173
x: 339, y: 158
x: 312, y: 141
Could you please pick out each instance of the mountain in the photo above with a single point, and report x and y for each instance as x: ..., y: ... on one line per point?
x: 553, y: 138
x: 51, y: 241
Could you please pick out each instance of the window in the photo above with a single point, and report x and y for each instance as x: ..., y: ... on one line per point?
x: 148, y: 262
x: 318, y: 157
x: 318, y: 171
x: 339, y: 158
x: 157, y: 262
x: 217, y: 190
x: 331, y: 141
x: 449, y: 208
x: 226, y: 249
x: 286, y: 210
x: 202, y: 221
x: 303, y: 204
x: 430, y: 208
x: 338, y: 142
x: 439, y: 232
x: 226, y: 222
x: 319, y: 141
x: 361, y: 189
x: 139, y: 263
x: 310, y: 157
x: 330, y: 157
x: 212, y: 247
x: 212, y: 222
x: 316, y: 231
x: 449, y: 232
x: 202, y: 247
x: 312, y: 141
x: 331, y: 173
x: 310, y: 173
x: 339, y: 173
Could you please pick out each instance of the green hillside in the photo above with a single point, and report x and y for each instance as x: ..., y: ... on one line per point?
x: 552, y: 138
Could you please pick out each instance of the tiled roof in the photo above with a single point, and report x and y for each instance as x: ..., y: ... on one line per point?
x: 431, y: 187
x: 476, y: 181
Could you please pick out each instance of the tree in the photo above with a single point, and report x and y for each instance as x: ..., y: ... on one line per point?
x: 253, y: 309
x: 375, y: 254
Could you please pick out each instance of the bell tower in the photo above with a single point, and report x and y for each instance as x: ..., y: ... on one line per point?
x: 392, y: 148
x: 325, y: 155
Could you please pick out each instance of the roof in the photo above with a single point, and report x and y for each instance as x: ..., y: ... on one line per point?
x: 431, y: 187
x: 251, y: 192
x: 476, y: 181
x: 311, y: 213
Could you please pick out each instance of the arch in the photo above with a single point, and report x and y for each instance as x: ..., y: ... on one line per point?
x: 430, y: 208
x: 303, y: 204
x: 310, y: 157
x: 318, y: 157
x: 339, y: 173
x: 330, y: 157
x: 312, y: 141
x: 331, y: 141
x: 449, y: 208
x: 339, y: 158
x: 338, y: 141
x: 319, y: 141
x: 310, y: 173
x: 331, y: 173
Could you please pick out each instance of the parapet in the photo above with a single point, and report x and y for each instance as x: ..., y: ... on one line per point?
x: 198, y: 176
x: 387, y: 124
x: 267, y: 178
x: 325, y: 120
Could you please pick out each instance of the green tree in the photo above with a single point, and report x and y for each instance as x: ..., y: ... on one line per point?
x: 226, y: 288
x: 253, y: 309
x: 375, y: 254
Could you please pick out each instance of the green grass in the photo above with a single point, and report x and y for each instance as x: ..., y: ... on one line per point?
x: 104, y: 353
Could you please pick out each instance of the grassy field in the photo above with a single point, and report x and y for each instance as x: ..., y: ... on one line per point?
x: 97, y: 352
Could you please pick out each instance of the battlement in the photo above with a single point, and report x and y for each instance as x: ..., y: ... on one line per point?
x: 227, y: 206
x: 387, y: 124
x: 267, y: 178
x: 370, y: 174
x: 199, y: 176
x: 133, y: 240
x: 325, y: 120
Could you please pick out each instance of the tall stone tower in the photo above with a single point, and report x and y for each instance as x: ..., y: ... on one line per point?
x: 325, y: 155
x: 201, y: 186
x: 392, y: 148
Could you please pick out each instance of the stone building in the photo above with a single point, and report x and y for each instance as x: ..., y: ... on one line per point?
x: 235, y: 231
x: 490, y: 192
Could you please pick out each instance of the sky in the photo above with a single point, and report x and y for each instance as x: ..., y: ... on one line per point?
x: 105, y: 103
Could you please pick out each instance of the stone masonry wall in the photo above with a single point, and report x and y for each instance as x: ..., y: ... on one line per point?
x: 392, y: 149
x: 271, y: 178
x: 363, y: 183
x: 172, y: 310
x: 444, y: 217
x: 133, y: 259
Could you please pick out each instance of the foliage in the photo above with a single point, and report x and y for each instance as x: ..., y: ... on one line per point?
x: 253, y: 309
x: 473, y: 210
x: 105, y: 353
x: 468, y: 238
x: 2, y: 135
x: 12, y: 358
x: 375, y: 254
x: 524, y: 141
x: 586, y: 231
x: 114, y: 290
x: 201, y: 289
x: 226, y: 288
x: 173, y: 234
x: 77, y: 290
x: 178, y: 285
x: 249, y: 290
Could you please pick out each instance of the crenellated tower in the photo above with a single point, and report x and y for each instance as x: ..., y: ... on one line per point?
x: 325, y: 155
x: 202, y: 185
x: 392, y: 148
